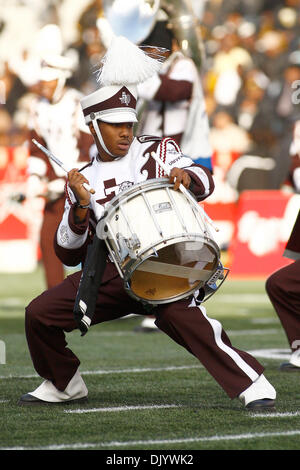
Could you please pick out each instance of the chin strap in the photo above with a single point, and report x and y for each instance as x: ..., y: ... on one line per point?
x: 100, y: 138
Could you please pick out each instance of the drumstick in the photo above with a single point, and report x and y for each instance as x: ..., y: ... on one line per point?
x: 183, y: 190
x: 59, y: 163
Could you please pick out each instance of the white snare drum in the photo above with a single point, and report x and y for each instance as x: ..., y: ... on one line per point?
x: 159, y: 241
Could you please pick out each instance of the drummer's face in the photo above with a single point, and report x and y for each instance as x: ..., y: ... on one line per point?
x: 117, y: 138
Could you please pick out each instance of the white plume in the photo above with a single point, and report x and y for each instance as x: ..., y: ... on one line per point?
x: 125, y: 63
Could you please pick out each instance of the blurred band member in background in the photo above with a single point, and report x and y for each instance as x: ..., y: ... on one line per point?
x: 56, y: 122
x: 172, y: 102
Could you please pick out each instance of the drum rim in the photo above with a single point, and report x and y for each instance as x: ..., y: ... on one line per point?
x: 175, y: 298
x: 136, y: 189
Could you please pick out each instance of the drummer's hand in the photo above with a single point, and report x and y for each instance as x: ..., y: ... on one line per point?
x: 76, y: 180
x: 179, y: 176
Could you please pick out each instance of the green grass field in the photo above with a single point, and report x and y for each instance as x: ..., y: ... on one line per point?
x: 145, y: 392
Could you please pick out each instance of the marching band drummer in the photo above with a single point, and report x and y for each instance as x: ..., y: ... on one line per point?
x: 123, y: 161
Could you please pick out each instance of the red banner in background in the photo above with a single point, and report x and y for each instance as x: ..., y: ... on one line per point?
x: 264, y: 222
x: 224, y: 216
x: 19, y: 221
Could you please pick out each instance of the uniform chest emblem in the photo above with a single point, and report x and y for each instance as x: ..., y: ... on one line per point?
x: 125, y: 98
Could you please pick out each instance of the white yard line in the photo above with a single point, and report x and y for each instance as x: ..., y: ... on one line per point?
x: 149, y: 407
x: 115, y: 444
x: 264, y: 321
x: 140, y: 370
x: 224, y: 298
x: 113, y: 371
x: 121, y: 408
x: 12, y: 302
x: 269, y: 331
x: 275, y: 415
x: 242, y: 298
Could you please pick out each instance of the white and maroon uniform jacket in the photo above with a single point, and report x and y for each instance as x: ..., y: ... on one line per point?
x: 111, y: 178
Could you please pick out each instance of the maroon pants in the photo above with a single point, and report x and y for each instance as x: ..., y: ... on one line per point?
x: 283, y: 288
x: 51, y: 314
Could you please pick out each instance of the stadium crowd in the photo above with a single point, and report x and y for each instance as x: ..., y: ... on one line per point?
x: 250, y: 71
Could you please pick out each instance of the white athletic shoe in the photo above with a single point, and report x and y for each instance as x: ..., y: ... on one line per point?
x: 47, y: 393
x: 260, y: 395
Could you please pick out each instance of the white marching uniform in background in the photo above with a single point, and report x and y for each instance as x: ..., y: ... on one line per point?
x: 59, y: 124
x: 177, y: 109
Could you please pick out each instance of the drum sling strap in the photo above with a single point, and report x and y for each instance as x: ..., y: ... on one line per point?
x: 87, y: 293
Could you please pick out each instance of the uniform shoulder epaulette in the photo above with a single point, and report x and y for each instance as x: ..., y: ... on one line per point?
x: 148, y: 138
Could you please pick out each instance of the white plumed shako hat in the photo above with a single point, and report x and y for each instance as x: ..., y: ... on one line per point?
x: 111, y: 104
x: 54, y: 64
x: 122, y: 68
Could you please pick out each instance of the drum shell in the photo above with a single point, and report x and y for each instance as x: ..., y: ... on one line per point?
x: 148, y: 219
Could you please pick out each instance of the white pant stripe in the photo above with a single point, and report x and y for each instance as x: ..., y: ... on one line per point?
x: 217, y: 329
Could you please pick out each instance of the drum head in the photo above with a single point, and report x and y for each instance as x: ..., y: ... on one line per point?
x: 176, y: 272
